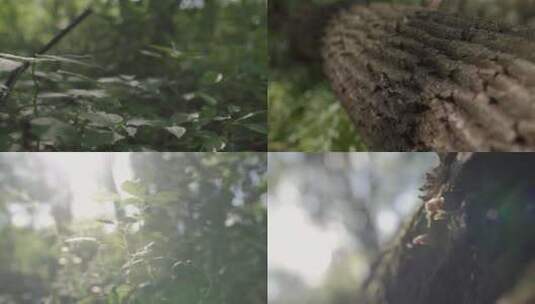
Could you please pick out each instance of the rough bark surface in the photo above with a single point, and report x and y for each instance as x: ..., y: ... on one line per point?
x: 482, y: 251
x: 419, y: 79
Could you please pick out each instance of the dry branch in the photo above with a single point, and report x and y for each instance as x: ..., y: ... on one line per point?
x: 13, y: 77
x: 418, y: 79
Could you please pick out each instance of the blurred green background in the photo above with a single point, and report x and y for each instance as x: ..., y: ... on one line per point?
x: 331, y: 215
x: 304, y: 115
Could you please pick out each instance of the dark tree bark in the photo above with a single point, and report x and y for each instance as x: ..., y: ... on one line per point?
x: 482, y: 247
x: 418, y: 79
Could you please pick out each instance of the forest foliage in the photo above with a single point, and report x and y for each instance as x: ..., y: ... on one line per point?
x: 145, y: 75
x: 190, y: 229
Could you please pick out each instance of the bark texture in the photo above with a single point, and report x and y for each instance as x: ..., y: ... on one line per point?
x: 419, y: 79
x: 482, y: 251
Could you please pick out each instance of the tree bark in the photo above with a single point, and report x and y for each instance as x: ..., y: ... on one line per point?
x: 419, y: 79
x: 482, y: 251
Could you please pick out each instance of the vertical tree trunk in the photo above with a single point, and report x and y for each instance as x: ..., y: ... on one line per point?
x: 482, y: 247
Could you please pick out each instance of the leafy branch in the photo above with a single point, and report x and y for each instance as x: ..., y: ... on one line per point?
x: 14, y: 76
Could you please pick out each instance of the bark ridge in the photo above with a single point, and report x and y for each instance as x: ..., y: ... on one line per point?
x: 481, y: 252
x: 419, y: 79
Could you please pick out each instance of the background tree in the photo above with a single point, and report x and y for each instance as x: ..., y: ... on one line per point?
x: 352, y: 206
x: 468, y: 240
x: 483, y: 246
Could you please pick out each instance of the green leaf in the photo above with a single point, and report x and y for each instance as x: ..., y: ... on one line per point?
x: 81, y: 239
x: 7, y: 65
x: 138, y: 122
x: 49, y: 128
x: 214, y: 143
x: 53, y: 95
x: 176, y: 131
x: 258, y: 128
x: 120, y: 294
x: 132, y: 201
x: 150, y: 54
x: 207, y: 98
x: 95, y: 138
x: 250, y: 115
x: 180, y: 118
x: 102, y: 118
x: 210, y: 78
x: 15, y: 57
x: 105, y: 221
x: 64, y: 59
x: 134, y: 188
x: 233, y: 109
x: 164, y: 197
x: 77, y: 93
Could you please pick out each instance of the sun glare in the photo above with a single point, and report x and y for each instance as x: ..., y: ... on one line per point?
x: 295, y: 243
x: 82, y: 173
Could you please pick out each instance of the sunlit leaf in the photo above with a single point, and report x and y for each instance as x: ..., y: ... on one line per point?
x: 81, y: 239
x: 250, y: 115
x: 134, y: 188
x: 120, y: 293
x: 262, y: 129
x: 53, y: 95
x: 132, y: 201
x: 151, y: 54
x: 7, y: 65
x: 207, y: 98
x: 165, y: 197
x: 76, y: 75
x: 211, y: 77
x: 137, y: 122
x: 177, y: 131
x: 64, y: 59
x: 234, y: 109
x: 102, y: 118
x: 214, y: 143
x: 87, y: 93
x: 15, y: 57
x: 105, y: 221
x: 222, y: 118
x: 180, y: 118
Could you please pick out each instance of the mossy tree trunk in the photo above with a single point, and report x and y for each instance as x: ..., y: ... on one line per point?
x: 418, y: 79
x: 482, y: 250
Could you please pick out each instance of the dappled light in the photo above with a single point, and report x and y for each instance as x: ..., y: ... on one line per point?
x: 133, y: 228
x: 147, y: 75
x: 330, y: 217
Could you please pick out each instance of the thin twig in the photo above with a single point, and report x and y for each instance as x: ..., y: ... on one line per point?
x: 13, y: 77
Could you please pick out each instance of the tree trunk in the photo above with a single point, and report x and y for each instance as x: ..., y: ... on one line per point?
x: 418, y: 79
x: 482, y: 247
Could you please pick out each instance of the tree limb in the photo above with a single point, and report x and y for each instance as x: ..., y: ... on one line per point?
x: 13, y: 77
x: 420, y: 79
x: 479, y: 251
